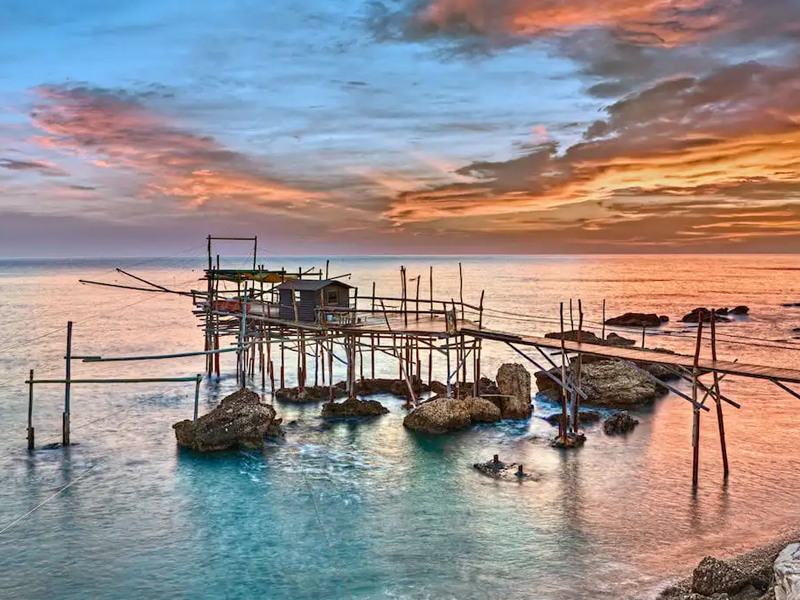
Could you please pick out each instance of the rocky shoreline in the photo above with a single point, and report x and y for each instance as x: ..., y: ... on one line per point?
x: 751, y: 572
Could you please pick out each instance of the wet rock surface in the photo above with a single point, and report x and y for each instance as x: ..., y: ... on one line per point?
x: 619, y: 424
x: 443, y: 415
x: 787, y: 573
x: 633, y: 319
x: 241, y: 420
x: 617, y: 340
x: 714, y: 576
x: 514, y: 389
x: 570, y: 440
x: 353, y: 407
x: 704, y: 315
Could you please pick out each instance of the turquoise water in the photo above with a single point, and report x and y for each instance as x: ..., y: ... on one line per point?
x: 366, y: 509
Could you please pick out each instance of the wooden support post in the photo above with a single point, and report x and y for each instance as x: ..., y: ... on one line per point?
x: 562, y: 426
x: 579, y: 363
x: 604, y: 319
x: 461, y: 289
x: 571, y: 322
x: 373, y: 298
x: 197, y: 396
x: 644, y: 330
x: 330, y: 369
x: 430, y: 290
x: 303, y: 362
x: 66, y: 415
x: 31, y: 433
x: 717, y: 394
x: 480, y: 311
x: 316, y: 364
x: 283, y: 351
x: 696, y: 410
x: 372, y: 352
x: 447, y: 354
x: 417, y: 302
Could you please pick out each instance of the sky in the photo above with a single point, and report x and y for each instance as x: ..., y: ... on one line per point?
x: 400, y: 126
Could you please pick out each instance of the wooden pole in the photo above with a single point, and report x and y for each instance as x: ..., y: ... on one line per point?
x: 66, y: 415
x: 562, y: 426
x: 197, y: 396
x: 373, y: 297
x: 644, y: 329
x: 696, y: 409
x: 604, y: 319
x: 720, y: 420
x: 571, y: 322
x: 330, y: 369
x: 31, y: 433
x: 417, y: 303
x: 372, y: 352
x: 461, y: 289
x: 579, y: 363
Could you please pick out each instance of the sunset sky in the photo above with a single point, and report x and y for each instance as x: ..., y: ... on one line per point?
x: 398, y: 126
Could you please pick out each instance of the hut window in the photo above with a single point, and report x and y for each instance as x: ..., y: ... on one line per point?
x: 332, y: 297
x: 296, y: 296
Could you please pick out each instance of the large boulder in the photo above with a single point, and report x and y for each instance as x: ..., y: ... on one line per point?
x: 585, y: 417
x: 787, y: 573
x: 619, y: 423
x: 632, y: 319
x: 613, y: 339
x: 608, y: 383
x: 353, y: 407
x: 714, y: 576
x: 740, y: 310
x: 443, y: 415
x: 514, y: 383
x: 240, y: 420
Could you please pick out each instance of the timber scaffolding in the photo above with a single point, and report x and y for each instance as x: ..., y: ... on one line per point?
x: 268, y: 312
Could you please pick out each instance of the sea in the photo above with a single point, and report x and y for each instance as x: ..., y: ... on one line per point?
x: 367, y: 509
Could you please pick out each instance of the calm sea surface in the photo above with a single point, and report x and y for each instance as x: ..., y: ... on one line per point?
x: 366, y: 509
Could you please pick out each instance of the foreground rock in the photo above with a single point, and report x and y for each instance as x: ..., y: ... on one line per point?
x: 606, y: 383
x: 713, y: 576
x: 311, y: 393
x: 619, y: 423
x: 514, y: 386
x: 585, y: 417
x: 497, y: 469
x: 787, y: 573
x: 632, y: 319
x: 353, y: 407
x: 443, y: 415
x: 241, y: 420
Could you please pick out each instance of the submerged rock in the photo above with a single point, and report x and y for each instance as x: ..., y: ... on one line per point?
x: 714, y: 576
x: 617, y: 340
x: 585, y: 417
x: 632, y: 319
x: 514, y: 387
x: 619, y: 423
x: 443, y: 415
x: 570, y: 440
x: 497, y: 469
x: 353, y: 407
x: 240, y: 420
x: 311, y: 393
x: 740, y: 310
x: 572, y: 336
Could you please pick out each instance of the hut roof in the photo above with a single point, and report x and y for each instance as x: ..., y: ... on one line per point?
x: 303, y: 285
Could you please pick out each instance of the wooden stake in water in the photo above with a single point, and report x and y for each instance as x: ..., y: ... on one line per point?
x: 66, y: 415
x: 717, y: 397
x: 197, y: 396
x: 696, y: 409
x: 30, y: 412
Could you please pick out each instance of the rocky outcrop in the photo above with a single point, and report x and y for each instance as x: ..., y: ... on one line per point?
x: 704, y: 314
x: 443, y: 415
x: 497, y: 469
x: 572, y: 336
x: 585, y: 417
x: 352, y: 407
x: 612, y: 339
x: 714, y: 576
x: 787, y: 573
x: 514, y: 387
x: 619, y: 423
x: 395, y: 387
x: 241, y: 420
x: 632, y: 319
x: 606, y: 383
x: 311, y: 393
x: 740, y: 310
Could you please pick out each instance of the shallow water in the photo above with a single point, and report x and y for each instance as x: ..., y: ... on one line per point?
x: 366, y: 509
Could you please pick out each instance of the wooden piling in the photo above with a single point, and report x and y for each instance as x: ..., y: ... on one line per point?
x: 696, y: 409
x: 603, y: 334
x: 461, y: 289
x: 197, y: 396
x: 66, y: 415
x: 717, y: 398
x: 562, y: 426
x: 31, y: 432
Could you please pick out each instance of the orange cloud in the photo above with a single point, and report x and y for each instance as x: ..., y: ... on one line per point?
x: 114, y: 131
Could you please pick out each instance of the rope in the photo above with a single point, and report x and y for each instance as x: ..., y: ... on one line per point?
x: 48, y: 499
x: 325, y: 535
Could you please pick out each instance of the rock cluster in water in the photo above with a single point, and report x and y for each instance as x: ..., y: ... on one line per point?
x: 619, y: 423
x: 353, y: 407
x: 241, y: 420
x: 720, y: 314
x: 443, y: 415
x: 311, y: 393
x: 585, y: 417
x: 633, y: 319
x: 514, y: 392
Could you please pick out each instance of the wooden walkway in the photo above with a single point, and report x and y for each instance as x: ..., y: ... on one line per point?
x: 644, y: 356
